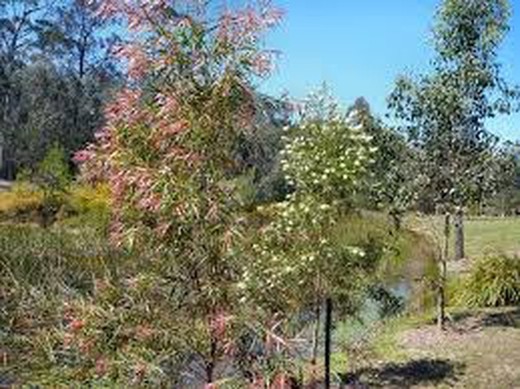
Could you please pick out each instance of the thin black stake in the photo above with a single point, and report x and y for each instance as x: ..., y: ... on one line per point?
x: 328, y: 332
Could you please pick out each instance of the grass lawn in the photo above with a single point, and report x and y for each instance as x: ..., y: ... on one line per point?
x: 492, y: 235
x: 483, y: 235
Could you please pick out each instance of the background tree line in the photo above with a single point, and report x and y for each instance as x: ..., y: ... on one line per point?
x: 58, y: 68
x: 56, y: 72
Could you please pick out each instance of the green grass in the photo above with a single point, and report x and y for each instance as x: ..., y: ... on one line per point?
x: 483, y: 236
x: 492, y: 235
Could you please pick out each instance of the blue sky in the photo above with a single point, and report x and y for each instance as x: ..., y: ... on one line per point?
x: 359, y: 47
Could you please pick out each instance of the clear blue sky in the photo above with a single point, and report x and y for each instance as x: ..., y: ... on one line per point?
x: 359, y: 47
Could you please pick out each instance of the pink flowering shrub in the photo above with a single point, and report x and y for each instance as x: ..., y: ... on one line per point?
x: 166, y: 152
x: 167, y: 144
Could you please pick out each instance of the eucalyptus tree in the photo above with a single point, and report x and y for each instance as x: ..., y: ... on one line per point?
x: 57, y: 70
x: 18, y: 20
x: 445, y: 111
x: 77, y: 39
x: 81, y: 45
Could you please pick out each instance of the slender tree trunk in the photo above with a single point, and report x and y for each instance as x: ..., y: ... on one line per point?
x: 9, y: 165
x: 396, y: 220
x: 441, y: 296
x: 328, y: 337
x: 315, y: 343
x: 210, y: 365
x: 459, y: 234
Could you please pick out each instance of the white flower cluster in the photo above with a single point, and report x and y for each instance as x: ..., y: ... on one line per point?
x: 325, y: 156
x: 322, y: 160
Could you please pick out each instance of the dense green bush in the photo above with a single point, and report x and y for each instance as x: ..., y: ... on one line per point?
x: 87, y: 205
x: 53, y: 179
x: 493, y: 281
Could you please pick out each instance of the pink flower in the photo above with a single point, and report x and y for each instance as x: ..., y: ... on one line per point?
x: 126, y: 108
x: 138, y: 61
x: 139, y: 372
x: 108, y: 9
x: 273, y: 16
x: 140, y: 14
x: 166, y: 131
x: 168, y: 104
x: 101, y: 367
x: 68, y: 340
x: 280, y: 382
x: 219, y: 323
x: 162, y: 229
x: 143, y: 332
x: 76, y: 325
x: 116, y: 232
x: 262, y: 64
x: 151, y: 202
x: 149, y: 138
x: 249, y: 20
x: 83, y: 156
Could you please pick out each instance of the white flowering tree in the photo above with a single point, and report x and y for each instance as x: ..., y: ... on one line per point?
x: 296, y: 263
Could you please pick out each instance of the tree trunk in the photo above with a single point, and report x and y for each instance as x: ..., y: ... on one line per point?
x: 210, y: 364
x: 441, y: 293
x: 315, y: 343
x: 459, y: 234
x: 328, y: 336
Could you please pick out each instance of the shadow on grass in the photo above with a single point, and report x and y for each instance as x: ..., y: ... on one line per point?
x: 498, y: 317
x: 405, y: 375
x: 507, y: 318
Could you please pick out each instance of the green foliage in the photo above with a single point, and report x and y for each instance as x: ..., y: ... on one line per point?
x: 471, y: 27
x: 49, y: 258
x: 87, y: 205
x: 75, y: 310
x: 52, y: 173
x: 389, y: 182
x: 80, y: 206
x: 53, y: 178
x: 405, y: 262
x: 493, y: 281
x: 444, y: 112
